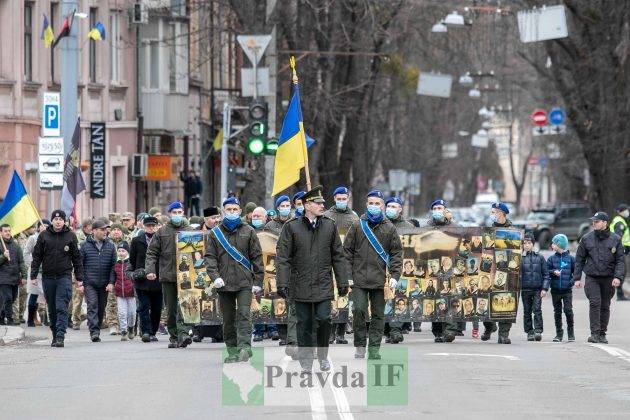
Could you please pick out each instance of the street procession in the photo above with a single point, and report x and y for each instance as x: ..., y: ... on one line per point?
x: 347, y: 228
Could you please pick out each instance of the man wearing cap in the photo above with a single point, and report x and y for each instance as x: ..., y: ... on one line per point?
x: 283, y: 215
x: 234, y: 264
x: 600, y: 256
x: 148, y: 292
x: 211, y: 217
x: 247, y: 214
x: 308, y: 251
x: 129, y: 223
x: 12, y: 274
x: 363, y: 248
x: 619, y: 225
x: 98, y: 255
x: 57, y: 253
x: 298, y: 205
x: 444, y: 332
x: 85, y: 231
x: 162, y: 261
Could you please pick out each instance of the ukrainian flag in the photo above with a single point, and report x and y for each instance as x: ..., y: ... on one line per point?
x: 47, y: 33
x: 291, y: 152
x: 17, y: 210
x: 98, y: 32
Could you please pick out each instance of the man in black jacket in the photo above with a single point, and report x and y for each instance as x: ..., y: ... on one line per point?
x: 308, y: 250
x: 148, y: 292
x: 98, y: 255
x: 192, y: 192
x: 12, y: 275
x: 600, y: 255
x: 57, y: 252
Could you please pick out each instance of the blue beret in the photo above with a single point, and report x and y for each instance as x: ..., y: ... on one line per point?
x: 376, y: 193
x: 281, y: 200
x: 393, y: 200
x: 341, y: 190
x: 231, y: 200
x: 173, y: 206
x: 298, y: 195
x: 438, y: 202
x: 501, y: 206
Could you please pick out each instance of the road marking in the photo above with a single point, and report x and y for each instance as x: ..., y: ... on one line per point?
x: 502, y: 356
x: 343, y: 407
x: 318, y: 408
x: 614, y: 351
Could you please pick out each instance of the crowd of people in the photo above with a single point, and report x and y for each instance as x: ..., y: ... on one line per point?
x: 124, y: 267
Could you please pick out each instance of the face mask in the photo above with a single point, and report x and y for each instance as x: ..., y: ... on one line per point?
x: 257, y: 223
x: 341, y: 205
x: 284, y: 212
x: 300, y: 209
x: 177, y: 219
x: 232, y: 216
x: 391, y: 213
x: 437, y: 215
x: 625, y: 214
x: 374, y: 210
x: 493, y: 218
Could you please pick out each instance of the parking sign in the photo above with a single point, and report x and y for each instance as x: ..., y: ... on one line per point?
x: 51, y: 115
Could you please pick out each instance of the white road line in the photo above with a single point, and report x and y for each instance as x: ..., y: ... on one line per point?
x: 343, y: 407
x: 318, y: 408
x: 502, y: 356
x: 614, y: 351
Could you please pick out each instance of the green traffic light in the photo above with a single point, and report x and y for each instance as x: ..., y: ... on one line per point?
x: 271, y: 147
x: 256, y: 146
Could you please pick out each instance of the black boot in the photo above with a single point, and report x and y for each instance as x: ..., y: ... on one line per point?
x: 570, y: 333
x: 31, y: 317
x: 558, y: 337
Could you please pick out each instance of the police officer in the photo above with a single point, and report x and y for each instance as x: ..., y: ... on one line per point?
x: 363, y: 247
x: 57, y: 253
x: 498, y: 216
x: 344, y: 217
x: 308, y: 250
x: 619, y: 225
x: 230, y: 242
x: 444, y: 332
x: 600, y: 256
x: 283, y: 215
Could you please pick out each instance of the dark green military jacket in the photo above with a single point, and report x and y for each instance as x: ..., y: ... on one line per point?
x: 162, y: 252
x: 401, y: 224
x: 306, y: 257
x: 367, y: 267
x: 275, y: 225
x: 343, y: 218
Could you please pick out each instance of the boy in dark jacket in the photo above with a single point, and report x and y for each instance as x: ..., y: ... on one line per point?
x: 534, y: 286
x: 561, y: 266
x: 122, y: 286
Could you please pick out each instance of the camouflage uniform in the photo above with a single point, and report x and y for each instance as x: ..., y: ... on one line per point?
x: 19, y: 306
x: 111, y: 310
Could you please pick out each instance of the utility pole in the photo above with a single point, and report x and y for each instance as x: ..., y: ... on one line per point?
x: 227, y: 115
x: 69, y: 64
x: 272, y: 63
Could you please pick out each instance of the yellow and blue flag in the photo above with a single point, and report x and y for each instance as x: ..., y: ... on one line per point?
x: 291, y: 153
x: 17, y: 210
x: 47, y: 33
x: 97, y: 33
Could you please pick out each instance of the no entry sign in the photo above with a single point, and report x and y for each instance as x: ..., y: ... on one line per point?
x: 539, y: 117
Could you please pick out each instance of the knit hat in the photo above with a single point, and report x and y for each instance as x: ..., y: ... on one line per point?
x: 58, y: 213
x: 211, y: 211
x: 118, y: 226
x: 249, y: 207
x: 154, y: 210
x: 561, y: 241
x: 528, y: 237
x: 124, y: 245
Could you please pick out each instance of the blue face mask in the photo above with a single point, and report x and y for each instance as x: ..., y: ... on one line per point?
x: 391, y: 213
x: 341, y: 205
x: 437, y: 215
x: 257, y: 223
x: 232, y: 216
x: 300, y: 209
x: 493, y: 218
x: 374, y: 210
x: 177, y: 219
x: 284, y: 212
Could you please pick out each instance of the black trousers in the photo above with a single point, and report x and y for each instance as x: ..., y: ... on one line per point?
x: 504, y: 327
x: 8, y: 294
x: 58, y: 292
x: 532, y: 304
x: 599, y: 291
x: 313, y: 315
x: 563, y: 301
x: 192, y: 204
x: 149, y: 310
x: 96, y: 300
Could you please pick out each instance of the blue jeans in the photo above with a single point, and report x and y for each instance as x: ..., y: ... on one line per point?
x: 259, y: 329
x: 58, y: 292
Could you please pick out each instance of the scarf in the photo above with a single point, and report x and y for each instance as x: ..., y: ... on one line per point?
x: 374, y: 219
x: 231, y: 224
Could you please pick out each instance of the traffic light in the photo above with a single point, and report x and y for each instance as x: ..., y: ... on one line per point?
x: 258, y: 127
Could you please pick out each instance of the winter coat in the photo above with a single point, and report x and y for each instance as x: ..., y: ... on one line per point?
x: 162, y: 252
x: 123, y: 285
x: 98, y: 264
x: 564, y: 262
x: 13, y: 270
x: 534, y: 273
x: 57, y: 253
x: 137, y: 260
x: 306, y: 257
x: 219, y: 264
x: 342, y: 218
x: 28, y: 259
x: 401, y: 224
x: 600, y: 255
x: 367, y: 268
x: 275, y: 225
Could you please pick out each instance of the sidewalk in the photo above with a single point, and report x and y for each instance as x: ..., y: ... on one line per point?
x: 10, y: 335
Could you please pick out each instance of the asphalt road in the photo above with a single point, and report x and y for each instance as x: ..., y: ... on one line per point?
x: 463, y: 379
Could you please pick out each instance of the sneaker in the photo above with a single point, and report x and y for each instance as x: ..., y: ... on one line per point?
x: 184, y: 342
x: 257, y: 338
x: 244, y: 355
x: 449, y: 337
x: 537, y: 336
x: 123, y: 336
x: 96, y: 339
x: 153, y: 338
x: 113, y: 331
x: 324, y: 365
x: 283, y: 342
x: 530, y: 336
x: 162, y: 330
x: 603, y: 339
x: 475, y: 333
x: 172, y: 343
x: 341, y: 340
x: 486, y: 335
x: 291, y: 351
x: 459, y: 334
x: 275, y: 336
x: 571, y: 337
x: 557, y: 338
x: 593, y: 339
x: 146, y: 338
x: 307, y: 368
x: 417, y: 328
x: 359, y: 353
x: 388, y: 340
x: 130, y: 333
x: 197, y: 339
x: 52, y: 343
x: 57, y: 343
x: 504, y: 340
x: 439, y: 339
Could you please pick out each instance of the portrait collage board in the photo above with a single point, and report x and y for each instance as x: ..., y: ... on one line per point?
x: 460, y: 274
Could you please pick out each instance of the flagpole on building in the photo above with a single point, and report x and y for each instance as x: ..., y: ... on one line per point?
x: 307, y: 172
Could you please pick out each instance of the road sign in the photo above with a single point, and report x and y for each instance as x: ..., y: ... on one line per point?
x: 397, y: 179
x: 539, y: 117
x: 543, y: 161
x: 433, y: 84
x: 51, y: 146
x: 533, y: 160
x: 51, y: 115
x: 558, y: 129
x: 556, y: 116
x: 51, y: 163
x: 254, y: 46
x: 414, y: 180
x: 541, y: 130
x: 247, y: 81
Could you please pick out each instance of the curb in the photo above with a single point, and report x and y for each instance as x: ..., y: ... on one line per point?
x: 11, y: 335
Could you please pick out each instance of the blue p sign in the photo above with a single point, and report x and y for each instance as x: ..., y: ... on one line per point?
x: 51, y: 119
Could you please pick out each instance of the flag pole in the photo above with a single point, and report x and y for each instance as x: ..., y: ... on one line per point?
x: 4, y: 246
x: 307, y: 172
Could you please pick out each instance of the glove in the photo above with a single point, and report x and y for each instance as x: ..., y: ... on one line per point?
x: 393, y: 283
x: 342, y: 290
x: 283, y: 292
x: 219, y: 283
x: 350, y: 282
x: 256, y: 289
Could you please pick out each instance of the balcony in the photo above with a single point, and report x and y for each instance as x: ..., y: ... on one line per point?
x: 162, y: 111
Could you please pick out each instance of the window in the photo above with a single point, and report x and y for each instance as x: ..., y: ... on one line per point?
x: 28, y: 41
x: 154, y: 64
x: 114, y: 49
x: 93, y: 20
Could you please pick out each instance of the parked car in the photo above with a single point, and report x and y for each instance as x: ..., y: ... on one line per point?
x: 572, y: 219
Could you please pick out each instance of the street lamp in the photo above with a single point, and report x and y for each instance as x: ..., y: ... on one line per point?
x: 454, y: 19
x: 439, y: 28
